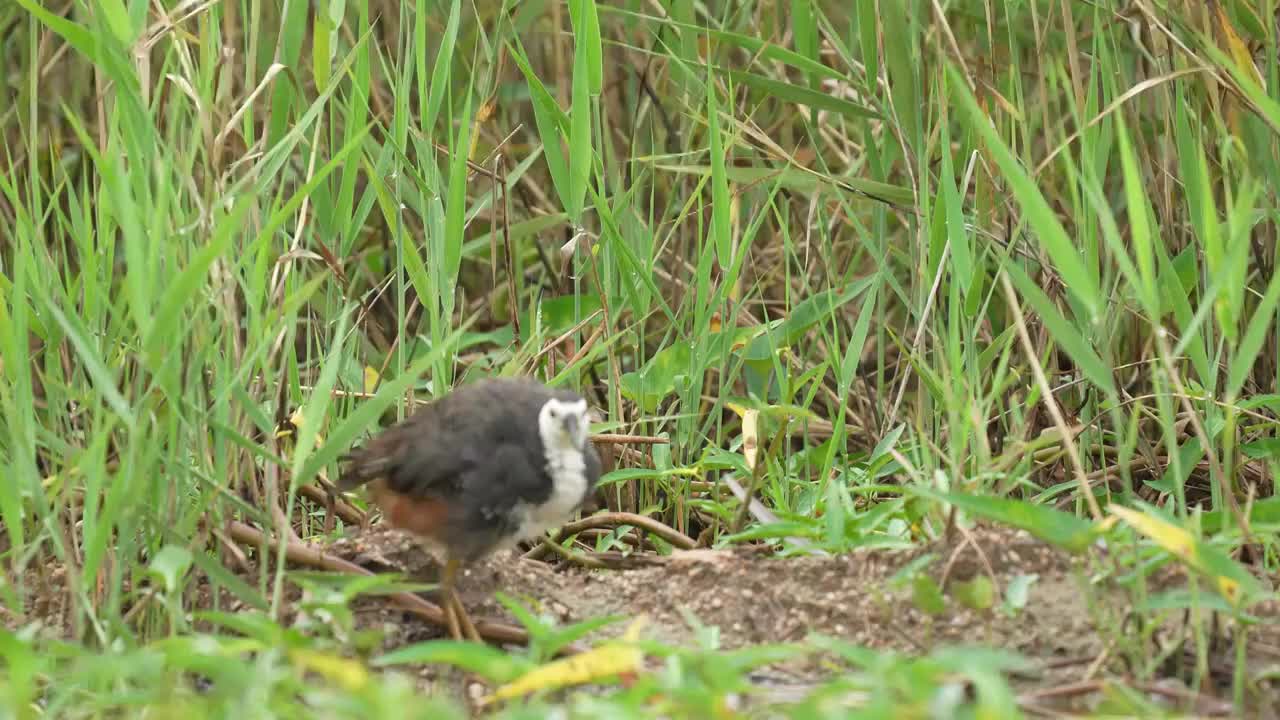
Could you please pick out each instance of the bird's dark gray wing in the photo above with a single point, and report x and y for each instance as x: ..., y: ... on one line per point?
x: 421, y: 455
x: 428, y: 453
x: 491, y: 492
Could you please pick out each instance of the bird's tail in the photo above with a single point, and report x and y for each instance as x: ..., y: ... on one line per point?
x: 359, y: 467
x: 374, y: 459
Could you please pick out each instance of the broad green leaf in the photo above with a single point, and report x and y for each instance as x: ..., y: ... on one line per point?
x: 563, y: 312
x: 952, y: 208
x: 1061, y: 529
x: 1139, y: 220
x: 976, y: 593
x: 1265, y: 512
x: 805, y: 31
x: 76, y: 35
x: 492, y: 663
x: 118, y: 18
x: 648, y: 386
x: 321, y: 34
x: 586, y: 30
x: 171, y: 565
x: 926, y: 595
x: 1262, y: 448
x: 900, y: 55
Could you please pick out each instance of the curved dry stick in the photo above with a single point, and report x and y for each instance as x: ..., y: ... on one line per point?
x: 613, y: 519
x: 551, y: 546
x: 349, y: 513
x: 583, y: 559
x: 618, y: 439
x: 425, y: 609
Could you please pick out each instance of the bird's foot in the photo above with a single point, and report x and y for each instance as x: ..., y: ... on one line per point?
x: 455, y: 615
x: 451, y: 617
x: 458, y: 620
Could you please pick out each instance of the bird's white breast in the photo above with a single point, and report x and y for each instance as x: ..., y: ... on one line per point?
x: 567, y: 468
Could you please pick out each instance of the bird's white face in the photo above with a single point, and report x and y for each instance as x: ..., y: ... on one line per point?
x: 564, y: 424
x: 564, y: 428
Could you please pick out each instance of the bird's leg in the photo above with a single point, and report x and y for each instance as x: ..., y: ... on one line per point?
x: 447, y: 597
x: 468, y: 627
x: 455, y: 614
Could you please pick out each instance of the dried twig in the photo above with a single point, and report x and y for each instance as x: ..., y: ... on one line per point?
x: 1206, y: 704
x: 585, y: 559
x: 298, y: 552
x: 349, y: 513
x: 613, y: 519
x: 615, y: 439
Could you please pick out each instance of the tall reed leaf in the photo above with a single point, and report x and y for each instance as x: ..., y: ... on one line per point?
x: 721, y: 232
x: 442, y: 67
x: 586, y: 30
x: 1081, y: 281
x: 551, y: 122
x: 1066, y: 334
x: 580, y: 120
x: 455, y: 213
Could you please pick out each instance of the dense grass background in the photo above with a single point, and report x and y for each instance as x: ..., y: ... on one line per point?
x: 879, y: 261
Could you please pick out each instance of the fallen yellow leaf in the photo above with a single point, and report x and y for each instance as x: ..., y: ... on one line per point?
x: 610, y: 659
x: 351, y: 675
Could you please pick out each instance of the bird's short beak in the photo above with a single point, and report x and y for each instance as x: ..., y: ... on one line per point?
x: 571, y: 429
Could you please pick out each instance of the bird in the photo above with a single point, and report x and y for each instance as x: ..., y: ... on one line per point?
x: 491, y: 463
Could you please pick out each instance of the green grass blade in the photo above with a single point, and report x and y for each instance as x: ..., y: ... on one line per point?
x: 580, y: 126
x: 1080, y: 280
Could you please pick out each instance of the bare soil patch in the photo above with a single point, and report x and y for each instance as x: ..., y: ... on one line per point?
x: 1072, y: 628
